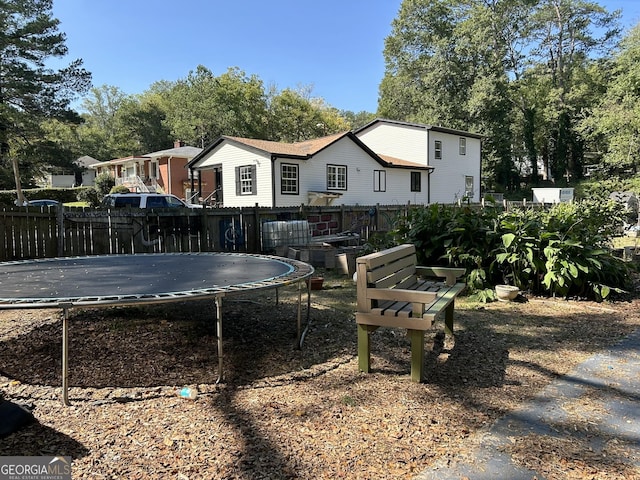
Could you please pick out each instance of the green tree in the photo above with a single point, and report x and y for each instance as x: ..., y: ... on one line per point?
x: 295, y: 116
x: 425, y: 80
x: 614, y: 122
x: 99, y: 134
x: 512, y: 70
x: 202, y: 107
x: 30, y: 91
x: 141, y: 126
x: 566, y: 35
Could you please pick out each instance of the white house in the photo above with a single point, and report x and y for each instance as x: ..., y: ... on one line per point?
x: 384, y: 162
x: 453, y: 155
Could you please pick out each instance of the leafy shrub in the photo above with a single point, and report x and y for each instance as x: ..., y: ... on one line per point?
x: 560, y: 251
x: 90, y: 196
x: 119, y: 189
x: 104, y: 183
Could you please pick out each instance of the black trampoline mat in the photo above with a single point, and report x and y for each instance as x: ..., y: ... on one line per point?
x: 154, y: 277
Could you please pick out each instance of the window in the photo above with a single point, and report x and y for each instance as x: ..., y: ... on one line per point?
x: 463, y: 146
x: 289, y: 179
x: 154, y: 168
x: 416, y: 182
x: 468, y: 186
x: 336, y: 177
x: 246, y: 180
x: 437, y: 150
x: 379, y: 180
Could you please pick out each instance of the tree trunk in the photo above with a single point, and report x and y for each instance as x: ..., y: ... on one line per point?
x: 16, y: 173
x: 530, y: 144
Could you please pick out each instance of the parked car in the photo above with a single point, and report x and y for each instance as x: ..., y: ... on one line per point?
x: 43, y: 203
x: 144, y: 200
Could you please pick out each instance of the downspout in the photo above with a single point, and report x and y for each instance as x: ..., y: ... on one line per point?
x: 273, y: 181
x: 193, y: 185
x: 169, y: 184
x: 480, y: 175
x: 429, y: 171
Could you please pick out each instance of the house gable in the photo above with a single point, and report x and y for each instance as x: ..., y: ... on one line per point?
x: 454, y: 155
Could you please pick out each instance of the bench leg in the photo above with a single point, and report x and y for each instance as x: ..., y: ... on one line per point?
x: 364, y: 346
x: 448, y: 319
x: 417, y: 354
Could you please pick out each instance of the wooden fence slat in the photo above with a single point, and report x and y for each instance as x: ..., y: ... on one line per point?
x: 29, y: 233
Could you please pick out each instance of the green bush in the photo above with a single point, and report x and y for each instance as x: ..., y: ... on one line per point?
x: 119, y: 189
x: 104, y: 182
x: 90, y: 196
x: 560, y: 251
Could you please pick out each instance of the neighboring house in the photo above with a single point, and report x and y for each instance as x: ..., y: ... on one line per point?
x: 84, y: 175
x: 163, y: 171
x: 454, y: 155
x: 335, y: 170
x: 384, y: 162
x: 87, y: 175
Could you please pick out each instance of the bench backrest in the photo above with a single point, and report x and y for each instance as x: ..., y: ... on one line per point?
x: 394, y: 267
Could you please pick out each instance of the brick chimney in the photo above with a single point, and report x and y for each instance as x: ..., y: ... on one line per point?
x: 178, y: 144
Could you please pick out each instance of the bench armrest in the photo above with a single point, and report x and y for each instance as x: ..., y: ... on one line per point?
x: 450, y: 274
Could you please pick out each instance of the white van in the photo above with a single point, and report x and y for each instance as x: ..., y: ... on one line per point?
x: 144, y: 200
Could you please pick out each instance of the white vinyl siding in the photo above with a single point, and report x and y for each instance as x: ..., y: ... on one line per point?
x: 360, y: 187
x: 399, y: 141
x: 228, y: 156
x: 448, y: 181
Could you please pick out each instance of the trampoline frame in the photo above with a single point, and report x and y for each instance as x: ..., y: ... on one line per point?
x: 298, y: 272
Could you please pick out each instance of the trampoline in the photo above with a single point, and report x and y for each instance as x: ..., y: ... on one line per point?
x: 116, y: 280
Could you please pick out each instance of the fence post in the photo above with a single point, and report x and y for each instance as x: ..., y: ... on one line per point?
x: 60, y: 229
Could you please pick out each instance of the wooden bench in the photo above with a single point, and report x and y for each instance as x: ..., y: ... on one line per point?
x: 392, y: 291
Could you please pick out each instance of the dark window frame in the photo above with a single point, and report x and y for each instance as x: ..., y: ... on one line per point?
x: 416, y: 181
x: 379, y: 180
x: 437, y: 149
x: 284, y: 191
x: 252, y: 177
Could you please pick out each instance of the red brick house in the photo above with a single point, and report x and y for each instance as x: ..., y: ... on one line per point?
x: 163, y: 171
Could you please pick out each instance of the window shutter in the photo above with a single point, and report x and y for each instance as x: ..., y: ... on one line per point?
x: 238, y: 181
x: 254, y: 180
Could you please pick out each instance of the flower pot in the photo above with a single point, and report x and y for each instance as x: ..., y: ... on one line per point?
x: 506, y: 293
x: 315, y: 282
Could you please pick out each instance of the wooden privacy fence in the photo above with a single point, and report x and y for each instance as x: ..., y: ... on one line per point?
x: 43, y: 232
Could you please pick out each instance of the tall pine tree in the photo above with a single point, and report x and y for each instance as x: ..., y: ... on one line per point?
x: 31, y: 91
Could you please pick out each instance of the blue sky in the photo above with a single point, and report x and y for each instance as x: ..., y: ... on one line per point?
x: 333, y: 46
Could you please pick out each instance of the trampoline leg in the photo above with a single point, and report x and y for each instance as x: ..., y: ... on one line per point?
x: 306, y: 329
x: 65, y: 356
x: 218, y: 302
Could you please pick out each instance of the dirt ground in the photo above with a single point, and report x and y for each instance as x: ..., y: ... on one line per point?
x: 282, y: 412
